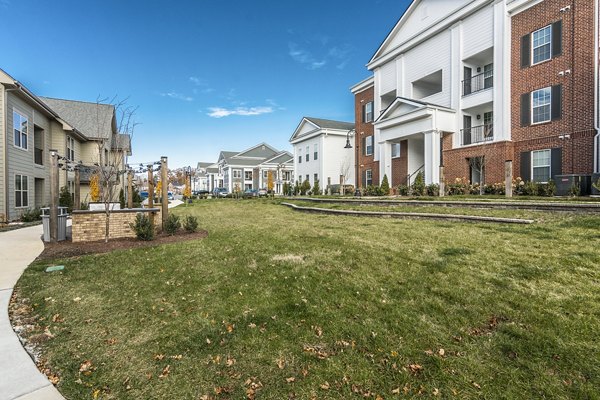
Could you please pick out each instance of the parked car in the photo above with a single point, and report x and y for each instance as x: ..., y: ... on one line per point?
x: 170, y: 196
x: 220, y: 192
x: 202, y: 194
x: 250, y: 193
x: 144, y: 195
x: 263, y: 193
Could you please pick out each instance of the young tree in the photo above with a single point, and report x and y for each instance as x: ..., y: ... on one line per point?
x: 305, y: 187
x: 385, y: 185
x: 270, y: 183
x: 95, y: 188
x: 316, y: 190
x: 345, y: 169
x: 117, y: 118
x: 65, y: 199
x: 478, y: 164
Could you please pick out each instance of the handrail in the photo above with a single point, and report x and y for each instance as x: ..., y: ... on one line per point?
x: 478, y: 82
x: 409, y: 176
x: 477, y: 134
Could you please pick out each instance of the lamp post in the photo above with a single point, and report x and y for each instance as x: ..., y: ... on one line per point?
x: 349, y: 146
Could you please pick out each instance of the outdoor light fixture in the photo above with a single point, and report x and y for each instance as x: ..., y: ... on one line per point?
x: 348, y: 144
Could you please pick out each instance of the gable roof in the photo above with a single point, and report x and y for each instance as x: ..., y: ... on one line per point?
x: 203, y: 165
x: 319, y: 124
x: 412, y: 102
x: 261, y: 150
x: 282, y: 157
x: 94, y: 120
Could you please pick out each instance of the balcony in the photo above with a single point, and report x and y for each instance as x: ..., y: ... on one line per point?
x: 478, y: 82
x: 477, y: 134
x: 38, y: 156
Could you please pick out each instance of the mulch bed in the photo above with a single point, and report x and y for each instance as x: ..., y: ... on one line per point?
x: 66, y: 249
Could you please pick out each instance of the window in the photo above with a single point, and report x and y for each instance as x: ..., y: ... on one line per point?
x: 265, y: 174
x: 368, y: 112
x: 540, y: 165
x: 541, y: 44
x: 248, y: 175
x: 316, y: 177
x: 287, y: 176
x: 368, y: 146
x: 540, y: 105
x: 368, y: 177
x: 237, y: 173
x: 299, y: 156
x: 307, y: 153
x: 316, y: 152
x: 488, y: 76
x: 395, y: 150
x: 70, y: 149
x: 20, y: 128
x: 307, y: 178
x: 21, y: 191
x: 105, y: 157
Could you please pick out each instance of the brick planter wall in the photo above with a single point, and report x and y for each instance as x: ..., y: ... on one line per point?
x: 88, y: 226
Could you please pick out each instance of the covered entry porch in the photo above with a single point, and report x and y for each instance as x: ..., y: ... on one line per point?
x: 419, y: 127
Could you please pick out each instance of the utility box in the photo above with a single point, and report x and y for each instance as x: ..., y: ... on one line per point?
x: 595, y: 180
x: 62, y: 223
x: 566, y: 183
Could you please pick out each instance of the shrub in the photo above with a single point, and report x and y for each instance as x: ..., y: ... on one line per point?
x: 574, y: 191
x: 385, y: 185
x: 137, y: 199
x: 65, y: 199
x: 418, y: 186
x: 172, y: 224
x: 547, y: 189
x: 373, y: 190
x: 122, y: 198
x: 190, y: 223
x: 402, y: 190
x: 316, y: 189
x: 596, y: 185
x: 31, y: 214
x: 433, y: 189
x: 143, y: 227
x: 305, y: 187
x: 458, y: 187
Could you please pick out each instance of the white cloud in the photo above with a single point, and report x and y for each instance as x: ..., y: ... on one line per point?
x: 220, y: 112
x: 336, y: 55
x: 305, y: 57
x: 206, y: 89
x: 178, y: 96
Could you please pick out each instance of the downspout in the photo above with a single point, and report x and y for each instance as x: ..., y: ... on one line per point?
x: 596, y: 88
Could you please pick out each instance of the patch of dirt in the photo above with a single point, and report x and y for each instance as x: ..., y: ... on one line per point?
x: 488, y: 328
x: 67, y: 249
x: 288, y: 257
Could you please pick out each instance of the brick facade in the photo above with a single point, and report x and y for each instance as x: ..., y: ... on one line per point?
x: 574, y: 131
x: 364, y: 129
x: 88, y: 226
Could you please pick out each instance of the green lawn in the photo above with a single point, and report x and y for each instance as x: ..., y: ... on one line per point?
x: 279, y: 304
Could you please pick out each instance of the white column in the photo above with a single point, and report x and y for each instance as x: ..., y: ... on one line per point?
x: 501, y: 94
x: 432, y: 157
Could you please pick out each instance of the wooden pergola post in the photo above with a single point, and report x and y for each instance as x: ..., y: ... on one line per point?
x: 54, y: 190
x: 164, y: 179
x: 77, y: 194
x: 151, y: 191
x: 129, y: 189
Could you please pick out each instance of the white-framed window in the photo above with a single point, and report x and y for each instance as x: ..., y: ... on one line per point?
x: 299, y: 156
x: 237, y: 173
x: 70, y: 148
x: 248, y: 175
x: 315, y: 177
x: 21, y: 191
x: 20, y: 126
x: 265, y: 174
x: 368, y: 112
x: 541, y: 101
x: 307, y: 155
x: 369, y: 145
x: 287, y: 175
x: 541, y: 44
x: 368, y: 177
x: 540, y: 165
x: 308, y: 177
x: 395, y: 150
x: 316, y: 152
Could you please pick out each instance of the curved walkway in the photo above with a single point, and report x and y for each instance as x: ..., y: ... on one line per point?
x: 20, y: 378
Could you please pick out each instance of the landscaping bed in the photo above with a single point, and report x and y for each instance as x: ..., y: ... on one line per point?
x: 66, y: 248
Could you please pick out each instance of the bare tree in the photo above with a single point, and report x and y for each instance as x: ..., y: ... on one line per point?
x: 478, y: 164
x: 112, y: 149
x: 345, y: 166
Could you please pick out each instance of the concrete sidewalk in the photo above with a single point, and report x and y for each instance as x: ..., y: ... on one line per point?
x: 19, y: 377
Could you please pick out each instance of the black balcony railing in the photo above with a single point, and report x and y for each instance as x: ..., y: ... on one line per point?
x: 38, y: 156
x: 479, y: 82
x: 477, y: 134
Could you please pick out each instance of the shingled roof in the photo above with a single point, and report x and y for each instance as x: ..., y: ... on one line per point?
x: 94, y: 120
x: 330, y: 124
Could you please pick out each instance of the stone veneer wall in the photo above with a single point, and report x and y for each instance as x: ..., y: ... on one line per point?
x: 88, y: 226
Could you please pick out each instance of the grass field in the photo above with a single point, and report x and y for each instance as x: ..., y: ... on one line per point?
x: 279, y: 304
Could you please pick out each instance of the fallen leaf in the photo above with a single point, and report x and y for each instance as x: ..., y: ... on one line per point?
x: 230, y: 361
x: 177, y: 357
x: 476, y: 385
x: 207, y: 341
x: 290, y: 379
x: 77, y: 299
x: 436, y: 392
x: 159, y: 356
x: 325, y: 386
x: 441, y: 352
x: 280, y: 362
x: 95, y: 393
x: 85, y: 366
x: 230, y: 328
x: 415, y: 368
x: 165, y: 372
x: 57, y: 318
x: 252, y: 325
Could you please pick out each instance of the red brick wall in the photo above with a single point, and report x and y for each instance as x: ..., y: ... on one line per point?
x: 456, y: 163
x: 400, y: 166
x: 577, y: 87
x: 363, y: 130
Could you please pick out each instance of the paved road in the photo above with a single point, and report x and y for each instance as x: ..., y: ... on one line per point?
x: 19, y: 377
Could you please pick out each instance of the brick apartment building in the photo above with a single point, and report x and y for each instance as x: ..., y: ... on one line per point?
x: 481, y: 79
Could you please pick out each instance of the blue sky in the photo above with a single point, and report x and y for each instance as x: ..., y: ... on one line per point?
x: 206, y: 75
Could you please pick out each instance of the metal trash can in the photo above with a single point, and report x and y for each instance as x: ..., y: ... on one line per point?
x: 62, y: 223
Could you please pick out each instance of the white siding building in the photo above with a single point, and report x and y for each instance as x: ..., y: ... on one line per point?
x: 320, y: 153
